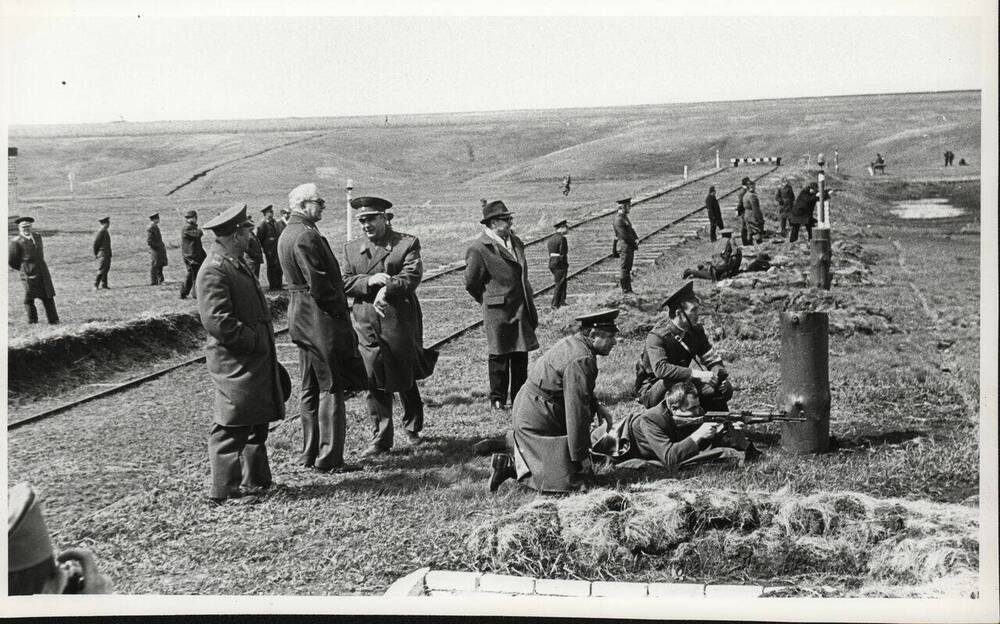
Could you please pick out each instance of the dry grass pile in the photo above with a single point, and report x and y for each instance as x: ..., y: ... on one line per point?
x: 664, y: 530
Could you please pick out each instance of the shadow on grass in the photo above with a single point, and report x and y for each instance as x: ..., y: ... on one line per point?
x: 888, y: 437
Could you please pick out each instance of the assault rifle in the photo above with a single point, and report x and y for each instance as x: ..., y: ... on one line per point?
x: 750, y: 417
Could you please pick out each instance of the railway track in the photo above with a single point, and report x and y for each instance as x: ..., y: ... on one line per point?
x: 447, y: 308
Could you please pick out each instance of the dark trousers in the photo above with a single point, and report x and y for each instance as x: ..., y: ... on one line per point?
x: 103, y: 266
x: 324, y: 419
x: 237, y: 456
x: 155, y: 273
x: 625, y: 258
x: 273, y: 272
x: 714, y: 225
x: 784, y: 224
x: 794, y: 236
x: 50, y: 310
x: 192, y: 273
x: 508, y: 371
x: 380, y: 411
x: 744, y: 230
x: 559, y: 288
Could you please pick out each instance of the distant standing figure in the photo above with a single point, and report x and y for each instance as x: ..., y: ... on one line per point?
x: 949, y: 158
x: 753, y: 216
x: 559, y: 263
x: 744, y: 231
x: 496, y: 276
x: 802, y: 211
x: 566, y: 182
x: 626, y: 242
x: 786, y: 199
x: 254, y: 255
x: 26, y: 254
x: 157, y: 250
x: 714, y: 214
x: 192, y: 251
x: 268, y: 233
x: 242, y: 361
x: 102, y: 253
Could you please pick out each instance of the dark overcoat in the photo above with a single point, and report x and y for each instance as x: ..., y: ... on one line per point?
x: 552, y: 414
x: 28, y: 257
x: 239, y: 350
x: 714, y: 210
x: 319, y: 320
x: 787, y: 199
x: 805, y: 205
x: 392, y: 346
x: 499, y: 282
x: 191, y: 248
x: 557, y: 244
x: 157, y: 250
x: 752, y: 212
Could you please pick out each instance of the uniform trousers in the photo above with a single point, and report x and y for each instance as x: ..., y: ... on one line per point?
x: 794, y: 236
x: 273, y: 272
x: 323, y: 414
x: 237, y: 456
x: 625, y: 259
x: 103, y: 266
x: 714, y: 225
x: 50, y: 309
x: 192, y: 273
x: 559, y: 287
x: 155, y: 272
x: 380, y: 410
x: 508, y: 372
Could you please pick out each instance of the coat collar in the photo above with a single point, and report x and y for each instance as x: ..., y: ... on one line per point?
x: 500, y: 250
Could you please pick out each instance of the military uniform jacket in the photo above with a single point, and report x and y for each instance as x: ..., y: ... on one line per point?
x: 28, y: 257
x: 739, y: 200
x: 154, y: 240
x: 624, y: 231
x: 751, y: 205
x: 653, y: 434
x: 499, y: 282
x: 102, y: 244
x: 668, y: 353
x: 191, y: 249
x: 239, y: 349
x: 254, y: 253
x: 557, y: 245
x: 392, y: 347
x: 553, y: 411
x: 319, y: 320
x: 268, y: 233
x: 714, y: 210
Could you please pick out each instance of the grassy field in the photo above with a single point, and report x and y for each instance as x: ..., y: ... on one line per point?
x: 435, y: 168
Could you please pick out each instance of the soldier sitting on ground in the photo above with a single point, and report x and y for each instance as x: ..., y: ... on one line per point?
x: 32, y: 565
x: 673, y: 434
x: 724, y: 263
x: 677, y: 349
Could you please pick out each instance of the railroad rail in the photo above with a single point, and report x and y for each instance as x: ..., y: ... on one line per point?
x: 590, y: 246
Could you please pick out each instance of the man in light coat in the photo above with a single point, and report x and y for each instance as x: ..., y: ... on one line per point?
x: 241, y: 360
x: 319, y: 323
x: 381, y: 273
x: 752, y: 215
x: 27, y: 255
x: 496, y: 275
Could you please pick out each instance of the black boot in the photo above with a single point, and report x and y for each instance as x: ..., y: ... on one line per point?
x: 503, y: 469
x: 490, y: 446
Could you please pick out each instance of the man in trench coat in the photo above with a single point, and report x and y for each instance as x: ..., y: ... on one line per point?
x: 319, y: 323
x: 102, y: 253
x: 548, y: 448
x: 26, y: 254
x: 752, y: 215
x: 714, y: 214
x: 496, y: 275
x: 241, y: 360
x: 381, y: 273
x: 157, y: 250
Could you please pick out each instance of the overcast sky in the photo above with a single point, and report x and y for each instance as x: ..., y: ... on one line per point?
x: 146, y: 61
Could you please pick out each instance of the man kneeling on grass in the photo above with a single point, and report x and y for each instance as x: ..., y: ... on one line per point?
x: 549, y: 447
x: 673, y: 433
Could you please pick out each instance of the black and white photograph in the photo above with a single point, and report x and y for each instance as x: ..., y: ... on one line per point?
x: 586, y: 309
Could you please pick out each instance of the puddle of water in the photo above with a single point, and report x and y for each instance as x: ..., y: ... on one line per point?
x: 927, y: 208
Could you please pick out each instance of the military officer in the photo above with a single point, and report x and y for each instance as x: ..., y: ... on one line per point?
x: 786, y: 199
x: 673, y: 434
x: 102, y: 253
x: 558, y: 263
x: 267, y: 233
x: 677, y: 349
x: 241, y: 360
x: 254, y: 256
x: 725, y: 261
x: 381, y: 273
x: 496, y: 275
x: 32, y: 564
x: 157, y: 250
x: 752, y: 215
x: 26, y: 254
x: 549, y: 446
x: 626, y: 242
x: 319, y: 323
x: 191, y: 250
x: 803, y: 211
x: 714, y: 213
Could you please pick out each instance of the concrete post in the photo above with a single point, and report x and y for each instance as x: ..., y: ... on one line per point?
x: 805, y: 381
x: 685, y: 172
x: 819, y: 259
x: 717, y: 162
x: 348, y: 188
x: 11, y: 181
